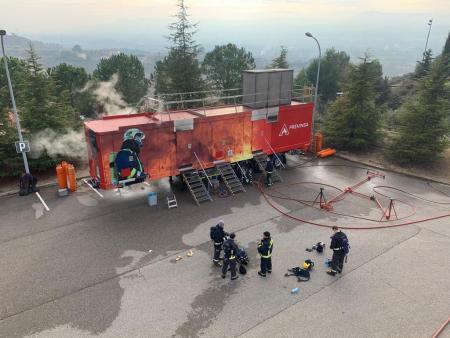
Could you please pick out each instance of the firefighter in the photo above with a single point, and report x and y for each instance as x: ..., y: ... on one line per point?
x: 218, y: 236
x: 339, y: 245
x: 265, y: 248
x: 230, y: 250
x: 269, y: 171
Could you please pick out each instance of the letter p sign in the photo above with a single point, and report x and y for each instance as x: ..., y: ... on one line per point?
x: 22, y: 147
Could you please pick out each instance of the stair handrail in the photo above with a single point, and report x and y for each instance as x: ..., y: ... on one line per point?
x: 242, y: 171
x: 203, y: 169
x: 273, y: 151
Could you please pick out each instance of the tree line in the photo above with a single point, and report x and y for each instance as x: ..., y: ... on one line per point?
x: 357, y: 107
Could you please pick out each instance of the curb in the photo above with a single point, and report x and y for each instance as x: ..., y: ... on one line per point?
x: 344, y: 157
x: 44, y: 185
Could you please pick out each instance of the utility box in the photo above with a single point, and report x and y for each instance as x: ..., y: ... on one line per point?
x: 264, y: 88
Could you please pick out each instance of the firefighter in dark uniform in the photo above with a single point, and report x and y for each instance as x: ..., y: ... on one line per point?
x: 269, y: 171
x: 230, y: 250
x: 265, y: 248
x: 218, y: 236
x: 338, y: 241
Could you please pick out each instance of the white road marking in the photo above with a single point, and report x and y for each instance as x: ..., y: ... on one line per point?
x: 42, y: 201
x: 90, y: 186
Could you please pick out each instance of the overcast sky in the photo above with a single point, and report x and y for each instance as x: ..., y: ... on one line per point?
x: 346, y: 24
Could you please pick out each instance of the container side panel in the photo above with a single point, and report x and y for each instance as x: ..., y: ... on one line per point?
x: 106, y: 146
x: 243, y: 147
x: 184, y: 148
x: 202, y: 143
x: 293, y: 128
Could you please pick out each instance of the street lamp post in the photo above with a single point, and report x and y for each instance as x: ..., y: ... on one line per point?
x: 308, y: 34
x: 19, y: 131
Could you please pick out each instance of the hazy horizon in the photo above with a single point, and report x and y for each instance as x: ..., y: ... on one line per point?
x: 394, y: 31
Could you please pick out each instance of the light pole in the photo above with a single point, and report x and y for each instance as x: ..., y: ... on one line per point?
x: 308, y: 34
x: 430, y: 22
x: 19, y: 131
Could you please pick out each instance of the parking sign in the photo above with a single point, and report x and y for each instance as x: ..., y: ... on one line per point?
x: 22, y: 147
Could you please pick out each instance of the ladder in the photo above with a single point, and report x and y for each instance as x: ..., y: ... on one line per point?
x: 261, y: 159
x: 196, y: 186
x: 229, y: 177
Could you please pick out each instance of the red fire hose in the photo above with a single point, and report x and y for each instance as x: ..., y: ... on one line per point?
x: 439, y: 331
x: 266, y: 197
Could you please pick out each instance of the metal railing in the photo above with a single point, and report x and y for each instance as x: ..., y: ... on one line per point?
x: 215, y: 98
x: 203, y: 169
x: 273, y: 151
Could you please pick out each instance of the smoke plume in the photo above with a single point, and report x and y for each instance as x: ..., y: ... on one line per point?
x: 108, y: 97
x: 70, y: 144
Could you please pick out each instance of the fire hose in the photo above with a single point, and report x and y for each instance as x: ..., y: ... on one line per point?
x: 286, y: 214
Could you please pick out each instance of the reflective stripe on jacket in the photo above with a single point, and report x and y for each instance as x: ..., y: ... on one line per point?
x: 265, y: 248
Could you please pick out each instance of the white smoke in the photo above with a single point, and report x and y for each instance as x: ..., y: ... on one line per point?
x: 70, y: 144
x: 108, y: 97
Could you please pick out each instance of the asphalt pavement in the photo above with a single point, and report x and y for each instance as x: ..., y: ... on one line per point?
x: 107, y: 266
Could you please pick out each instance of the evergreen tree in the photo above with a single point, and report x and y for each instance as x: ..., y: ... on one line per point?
x: 353, y: 120
x: 223, y: 66
x: 422, y: 134
x: 281, y: 61
x: 132, y: 83
x: 333, y: 68
x: 179, y: 72
x: 41, y: 108
x: 423, y: 67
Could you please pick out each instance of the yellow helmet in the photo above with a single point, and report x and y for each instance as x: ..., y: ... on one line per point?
x: 306, y: 265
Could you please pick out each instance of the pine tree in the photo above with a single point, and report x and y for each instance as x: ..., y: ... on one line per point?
x: 41, y: 108
x: 179, y: 72
x: 423, y: 67
x: 353, y: 120
x: 223, y: 66
x: 280, y: 61
x: 424, y: 125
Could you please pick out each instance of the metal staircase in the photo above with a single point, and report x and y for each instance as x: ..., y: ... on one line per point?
x: 229, y: 177
x: 196, y: 186
x: 261, y: 159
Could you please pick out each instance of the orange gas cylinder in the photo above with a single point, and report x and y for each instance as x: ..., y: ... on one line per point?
x: 64, y: 165
x: 71, y: 177
x: 318, y: 140
x: 61, y: 177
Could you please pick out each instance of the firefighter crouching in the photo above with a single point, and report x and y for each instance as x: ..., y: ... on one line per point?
x: 218, y: 236
x: 230, y: 250
x: 265, y: 248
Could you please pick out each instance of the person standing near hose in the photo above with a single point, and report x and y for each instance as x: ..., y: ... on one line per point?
x: 230, y: 250
x: 339, y: 245
x: 265, y: 248
x: 269, y: 171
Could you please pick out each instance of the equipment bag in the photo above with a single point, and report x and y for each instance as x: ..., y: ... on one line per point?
x: 301, y: 274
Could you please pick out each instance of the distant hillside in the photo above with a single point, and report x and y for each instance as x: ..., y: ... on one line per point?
x: 54, y: 54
